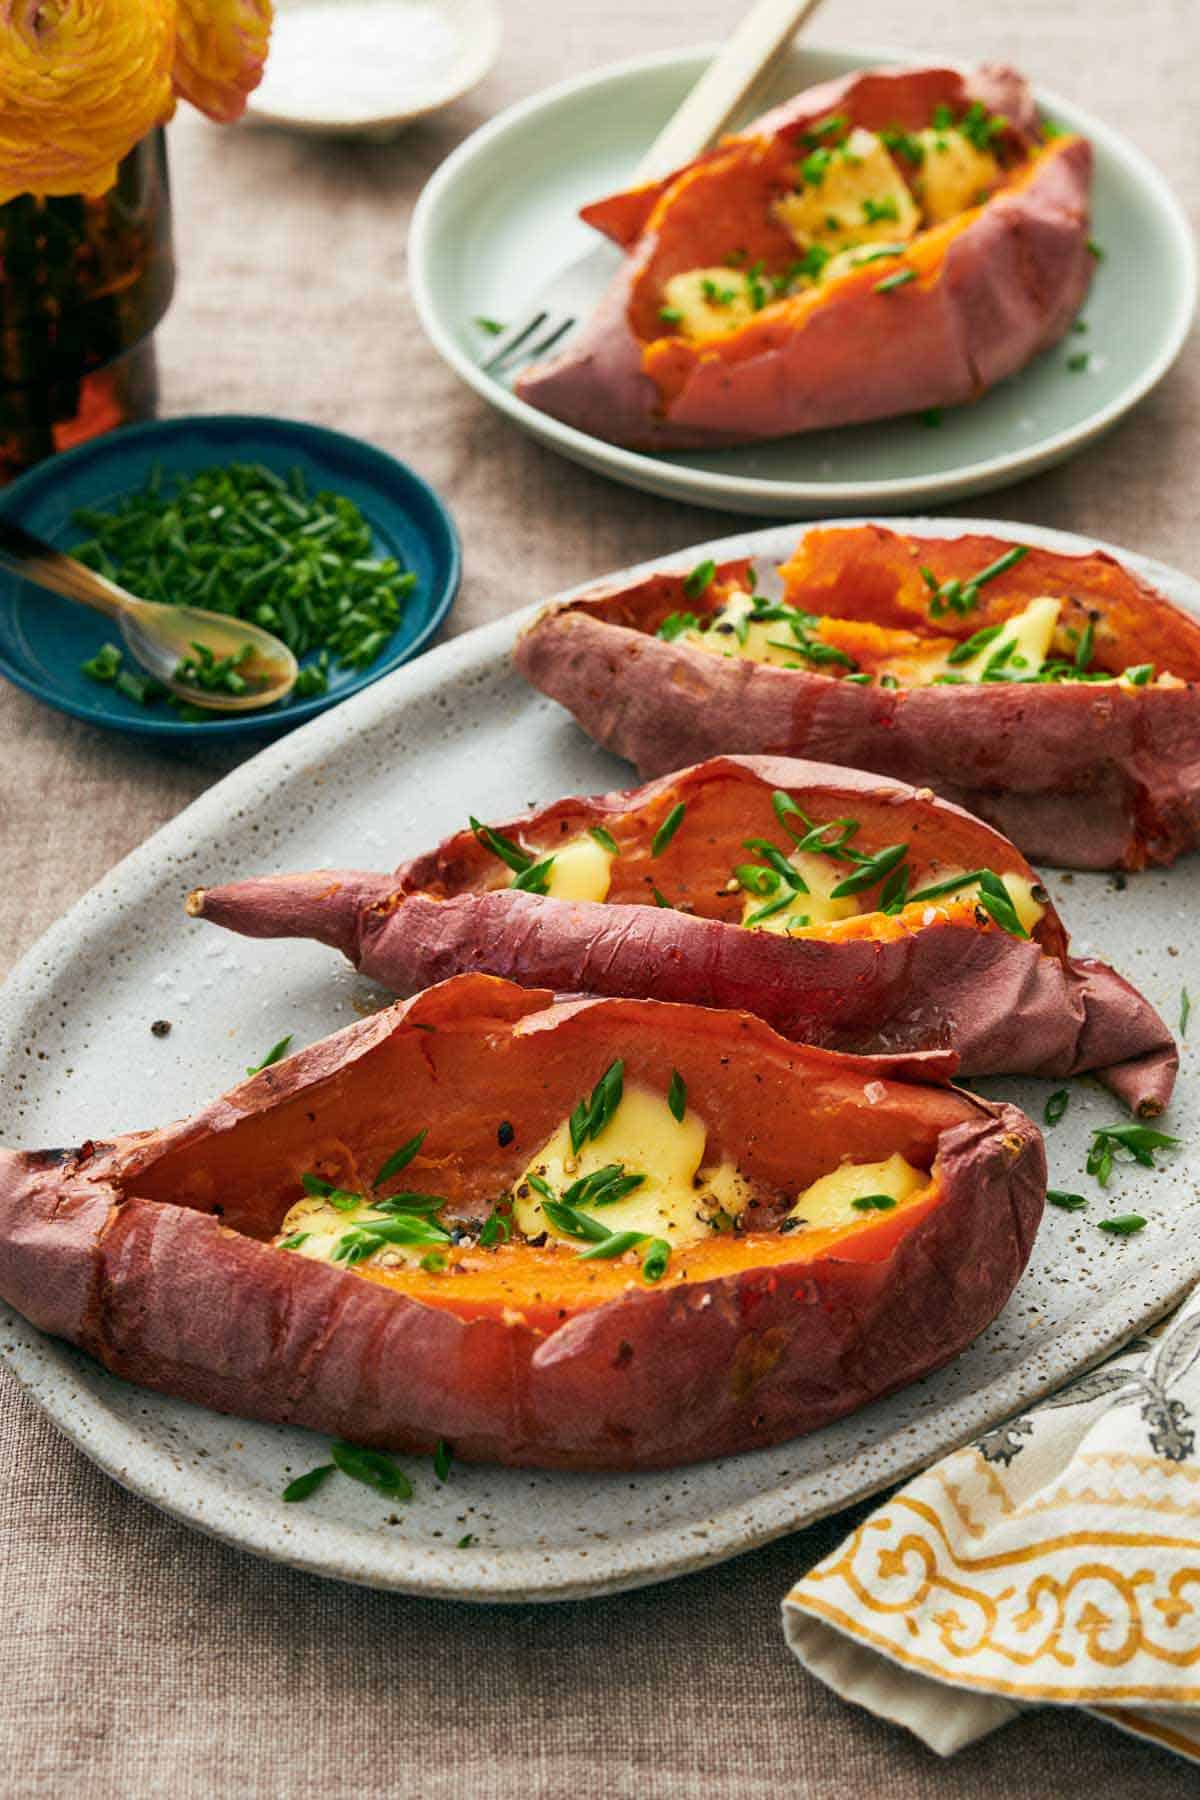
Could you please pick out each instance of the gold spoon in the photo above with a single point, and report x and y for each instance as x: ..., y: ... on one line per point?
x: 160, y: 637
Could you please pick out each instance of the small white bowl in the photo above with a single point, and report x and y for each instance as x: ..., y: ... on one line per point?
x: 368, y: 67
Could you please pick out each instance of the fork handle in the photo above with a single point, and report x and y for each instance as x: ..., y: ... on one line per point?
x: 761, y: 38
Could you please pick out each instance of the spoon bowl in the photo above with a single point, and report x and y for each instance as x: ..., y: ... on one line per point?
x: 166, y: 640
x: 247, y: 668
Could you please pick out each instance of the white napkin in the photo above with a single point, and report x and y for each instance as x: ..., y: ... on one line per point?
x: 1054, y: 1561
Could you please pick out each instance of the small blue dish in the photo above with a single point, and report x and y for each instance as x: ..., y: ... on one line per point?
x: 43, y: 640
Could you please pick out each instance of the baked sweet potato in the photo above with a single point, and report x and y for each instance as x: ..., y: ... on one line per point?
x: 693, y: 888
x: 814, y: 1232
x: 1055, y: 696
x: 899, y: 239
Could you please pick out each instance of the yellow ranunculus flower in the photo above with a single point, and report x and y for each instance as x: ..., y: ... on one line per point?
x: 80, y: 82
x: 220, y: 52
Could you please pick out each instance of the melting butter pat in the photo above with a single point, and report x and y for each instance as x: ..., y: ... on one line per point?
x: 676, y: 1201
x: 732, y: 633
x: 829, y: 1202
x: 581, y: 870
x: 820, y: 875
x: 708, y: 302
x: 322, y: 1227
x: 1020, y: 891
x: 1030, y: 633
x: 852, y: 195
x: 954, y: 174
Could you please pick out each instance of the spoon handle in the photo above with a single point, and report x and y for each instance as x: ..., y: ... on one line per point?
x: 32, y: 558
x: 745, y: 58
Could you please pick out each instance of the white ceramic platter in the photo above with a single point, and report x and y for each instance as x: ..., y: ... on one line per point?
x: 500, y: 215
x: 387, y: 773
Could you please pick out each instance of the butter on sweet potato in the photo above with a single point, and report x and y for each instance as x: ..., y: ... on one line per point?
x: 154, y: 1252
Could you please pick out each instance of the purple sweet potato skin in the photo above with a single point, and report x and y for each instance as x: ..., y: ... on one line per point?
x: 1000, y: 1004
x: 1009, y: 285
x: 1077, y: 776
x: 164, y: 1294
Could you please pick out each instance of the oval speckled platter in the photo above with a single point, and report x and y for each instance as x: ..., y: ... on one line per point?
x: 389, y: 772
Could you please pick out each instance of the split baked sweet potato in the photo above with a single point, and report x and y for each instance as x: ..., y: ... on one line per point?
x: 600, y: 1234
x: 1055, y: 696
x: 896, y: 240
x: 845, y: 909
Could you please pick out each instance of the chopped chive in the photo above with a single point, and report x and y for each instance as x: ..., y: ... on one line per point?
x: 869, y: 872
x: 873, y: 1203
x: 373, y: 1469
x: 400, y: 1159
x: 465, y: 1541
x: 605, y: 839
x: 1068, y: 1202
x: 615, y: 1244
x: 670, y: 315
x: 306, y: 1485
x: 433, y: 1262
x: 754, y: 879
x: 536, y: 878
x: 443, y: 1456
x: 893, y: 895
x: 509, y: 853
x: 971, y: 646
x: 1094, y: 249
x: 294, y: 1242
x: 654, y: 1263
x: 104, y: 666
x: 772, y: 907
x: 667, y: 829
x: 1139, y: 675
x: 570, y: 1223
x: 660, y: 899
x: 1140, y: 1141
x: 1124, y: 1225
x: 996, y: 901
x: 493, y: 327
x: 273, y: 1055
x: 677, y: 1096
x: 932, y: 417
x: 1078, y: 361
x: 1085, y: 648
x: 1185, y: 1011
x: 675, y: 624
x: 700, y: 579
x: 901, y: 278
x: 494, y: 1230
x: 1056, y: 1106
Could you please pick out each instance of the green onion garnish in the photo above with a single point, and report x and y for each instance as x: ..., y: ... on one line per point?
x: 273, y: 1055
x: 605, y: 839
x: 373, y: 1469
x: 677, y: 1096
x: 400, y: 1159
x: 1056, y: 1106
x: 700, y: 579
x: 1068, y: 1202
x: 306, y: 1485
x: 667, y: 829
x: 1124, y: 1225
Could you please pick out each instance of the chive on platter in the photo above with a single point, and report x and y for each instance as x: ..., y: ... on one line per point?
x: 394, y: 770
x: 45, y: 641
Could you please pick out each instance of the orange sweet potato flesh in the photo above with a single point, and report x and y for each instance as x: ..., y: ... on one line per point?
x: 941, y: 976
x: 1076, y: 775
x: 152, y: 1251
x: 983, y: 292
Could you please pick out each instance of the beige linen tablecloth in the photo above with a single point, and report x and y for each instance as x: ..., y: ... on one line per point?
x: 137, y: 1658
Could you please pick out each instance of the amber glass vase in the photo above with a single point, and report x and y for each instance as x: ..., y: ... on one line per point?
x: 83, y: 283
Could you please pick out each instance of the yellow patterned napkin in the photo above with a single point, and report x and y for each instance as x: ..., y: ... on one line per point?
x: 1056, y: 1560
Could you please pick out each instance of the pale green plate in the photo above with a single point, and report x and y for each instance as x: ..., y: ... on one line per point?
x: 500, y: 213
